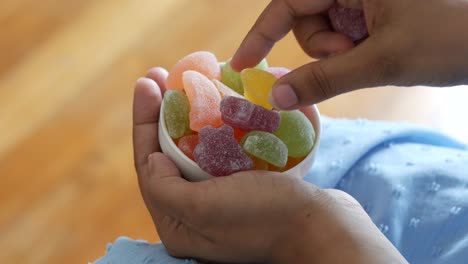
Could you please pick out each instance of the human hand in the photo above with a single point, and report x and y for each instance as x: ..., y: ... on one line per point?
x: 410, y: 43
x: 253, y: 216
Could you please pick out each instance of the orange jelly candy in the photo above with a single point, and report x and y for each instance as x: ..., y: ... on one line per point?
x: 203, y: 62
x: 204, y: 101
x: 187, y: 145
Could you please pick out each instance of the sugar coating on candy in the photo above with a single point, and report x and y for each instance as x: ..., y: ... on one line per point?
x: 188, y: 144
x: 224, y: 90
x: 349, y: 21
x: 203, y: 62
x: 204, y: 101
x: 176, y: 113
x: 219, y: 154
x: 257, y: 86
x: 240, y: 113
x: 232, y: 78
x: 267, y: 147
x: 279, y: 72
x: 296, y: 132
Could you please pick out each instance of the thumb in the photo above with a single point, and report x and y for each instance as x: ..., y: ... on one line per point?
x: 167, y: 191
x: 367, y: 65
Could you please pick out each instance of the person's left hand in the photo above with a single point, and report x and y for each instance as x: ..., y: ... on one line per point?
x: 253, y: 216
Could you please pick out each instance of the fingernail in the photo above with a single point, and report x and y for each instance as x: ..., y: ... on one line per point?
x: 283, y: 96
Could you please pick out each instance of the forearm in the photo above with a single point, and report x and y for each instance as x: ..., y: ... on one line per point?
x: 352, y: 249
x: 342, y: 234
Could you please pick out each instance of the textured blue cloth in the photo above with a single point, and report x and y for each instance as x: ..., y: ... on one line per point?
x: 412, y: 181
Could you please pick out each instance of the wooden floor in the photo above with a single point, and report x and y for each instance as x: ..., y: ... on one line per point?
x: 67, y: 69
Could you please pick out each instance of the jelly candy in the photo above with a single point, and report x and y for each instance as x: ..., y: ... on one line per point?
x: 219, y: 154
x: 292, y: 162
x: 202, y: 61
x: 267, y: 147
x: 232, y: 78
x: 278, y: 72
x: 257, y: 86
x: 259, y: 164
x: 239, y: 134
x: 296, y: 132
x: 348, y: 21
x: 187, y: 145
x: 225, y: 91
x: 204, y: 101
x: 176, y: 113
x: 240, y: 113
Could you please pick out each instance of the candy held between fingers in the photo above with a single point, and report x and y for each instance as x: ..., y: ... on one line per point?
x: 247, y: 116
x: 267, y: 147
x: 204, y: 101
x: 176, y: 113
x: 296, y: 132
x: 219, y: 154
x: 188, y: 144
x: 349, y: 21
x: 202, y: 61
x: 232, y: 78
x: 257, y: 86
x: 278, y: 72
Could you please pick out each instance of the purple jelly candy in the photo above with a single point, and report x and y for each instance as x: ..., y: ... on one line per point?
x: 218, y: 152
x: 349, y: 21
x: 240, y: 113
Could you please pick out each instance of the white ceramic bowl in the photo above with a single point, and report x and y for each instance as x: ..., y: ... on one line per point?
x: 193, y: 172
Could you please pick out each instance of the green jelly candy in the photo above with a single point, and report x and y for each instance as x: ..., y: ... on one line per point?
x: 232, y: 78
x: 267, y: 147
x: 296, y: 132
x: 176, y: 113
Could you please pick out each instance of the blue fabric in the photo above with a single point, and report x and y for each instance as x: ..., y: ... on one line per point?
x: 412, y: 181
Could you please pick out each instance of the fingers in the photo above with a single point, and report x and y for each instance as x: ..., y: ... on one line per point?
x: 317, y: 39
x: 146, y: 104
x: 273, y: 24
x: 159, y: 75
x: 351, y: 3
x: 167, y: 190
x: 365, y: 66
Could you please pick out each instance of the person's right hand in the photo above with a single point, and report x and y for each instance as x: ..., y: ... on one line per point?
x: 410, y: 43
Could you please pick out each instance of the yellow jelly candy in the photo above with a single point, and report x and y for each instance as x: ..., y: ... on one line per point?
x: 257, y: 85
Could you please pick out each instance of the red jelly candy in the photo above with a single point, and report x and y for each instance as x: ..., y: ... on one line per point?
x: 187, y: 145
x: 247, y: 116
x: 218, y: 152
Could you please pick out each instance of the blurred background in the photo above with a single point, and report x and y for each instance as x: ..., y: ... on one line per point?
x: 67, y: 71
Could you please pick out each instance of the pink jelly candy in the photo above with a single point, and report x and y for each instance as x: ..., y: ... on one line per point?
x: 203, y: 62
x: 218, y: 152
x: 278, y: 72
x: 204, y: 101
x: 348, y: 21
x: 247, y: 116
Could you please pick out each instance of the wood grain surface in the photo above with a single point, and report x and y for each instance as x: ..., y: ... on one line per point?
x: 67, y: 71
